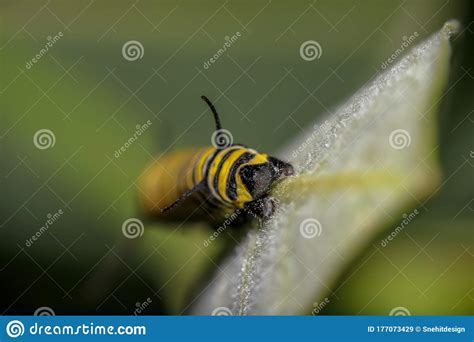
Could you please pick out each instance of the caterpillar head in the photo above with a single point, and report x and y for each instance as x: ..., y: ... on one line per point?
x: 259, y: 178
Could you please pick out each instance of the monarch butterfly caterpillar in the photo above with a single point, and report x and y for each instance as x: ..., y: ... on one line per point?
x: 212, y: 182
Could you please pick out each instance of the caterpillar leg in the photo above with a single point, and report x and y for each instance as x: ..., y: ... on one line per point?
x: 262, y: 207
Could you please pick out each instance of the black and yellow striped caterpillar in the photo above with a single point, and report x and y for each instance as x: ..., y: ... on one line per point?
x: 212, y: 182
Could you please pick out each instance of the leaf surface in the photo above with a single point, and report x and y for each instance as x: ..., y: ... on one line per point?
x: 373, y: 158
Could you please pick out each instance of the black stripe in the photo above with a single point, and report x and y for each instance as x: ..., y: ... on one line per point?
x: 213, y: 202
x: 231, y: 190
x: 204, y: 197
x: 218, y: 172
x: 207, y: 165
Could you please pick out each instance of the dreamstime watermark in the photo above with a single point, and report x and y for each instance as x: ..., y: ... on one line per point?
x: 222, y: 311
x: 310, y: 228
x: 51, y: 40
x: 318, y: 307
x: 44, y: 311
x: 407, y: 41
x: 133, y: 50
x: 15, y: 329
x: 227, y: 222
x: 141, y: 307
x: 140, y: 129
x: 406, y: 220
x: 229, y: 41
x: 400, y: 311
x: 399, y: 139
x: 44, y: 139
x: 222, y: 138
x: 51, y: 219
x: 133, y: 228
x: 311, y: 50
x: 317, y: 130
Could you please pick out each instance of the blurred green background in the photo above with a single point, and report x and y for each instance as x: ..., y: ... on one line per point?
x: 92, y: 99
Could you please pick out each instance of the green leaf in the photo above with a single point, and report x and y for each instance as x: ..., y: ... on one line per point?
x: 372, y: 158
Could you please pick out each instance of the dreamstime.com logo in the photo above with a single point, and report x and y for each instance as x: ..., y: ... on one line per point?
x: 227, y: 222
x: 400, y: 311
x: 229, y: 41
x: 406, y: 220
x: 318, y: 307
x: 310, y: 228
x: 222, y: 138
x: 407, y: 41
x: 311, y: 50
x: 133, y: 50
x: 133, y: 228
x: 44, y: 50
x: 317, y: 131
x: 141, y: 307
x: 44, y: 311
x: 222, y: 311
x: 44, y: 139
x: 140, y: 129
x: 399, y: 139
x: 15, y: 329
x: 51, y: 219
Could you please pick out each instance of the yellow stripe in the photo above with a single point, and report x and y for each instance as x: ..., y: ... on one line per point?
x: 191, y: 168
x: 260, y: 158
x: 213, y: 170
x: 243, y: 196
x: 225, y: 172
x: 199, y: 168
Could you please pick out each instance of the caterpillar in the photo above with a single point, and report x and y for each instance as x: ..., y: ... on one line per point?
x: 211, y: 183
